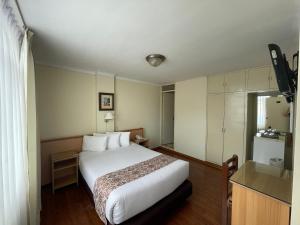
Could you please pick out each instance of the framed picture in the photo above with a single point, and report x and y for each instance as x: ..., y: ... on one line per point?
x: 106, y: 101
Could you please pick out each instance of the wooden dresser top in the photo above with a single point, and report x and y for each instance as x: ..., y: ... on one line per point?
x: 269, y: 180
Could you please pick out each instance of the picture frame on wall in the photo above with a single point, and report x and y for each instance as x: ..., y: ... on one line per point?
x: 106, y: 101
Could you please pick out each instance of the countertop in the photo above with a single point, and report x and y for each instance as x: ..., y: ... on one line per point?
x: 279, y: 139
x: 266, y: 179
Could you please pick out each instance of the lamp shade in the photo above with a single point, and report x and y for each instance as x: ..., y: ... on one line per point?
x: 109, y: 116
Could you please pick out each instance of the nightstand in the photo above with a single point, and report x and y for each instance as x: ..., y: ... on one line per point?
x: 144, y: 142
x: 64, y: 169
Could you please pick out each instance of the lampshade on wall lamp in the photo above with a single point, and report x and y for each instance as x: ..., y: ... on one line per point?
x: 155, y: 59
x: 108, y: 116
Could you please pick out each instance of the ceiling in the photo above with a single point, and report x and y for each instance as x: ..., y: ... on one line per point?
x: 198, y: 37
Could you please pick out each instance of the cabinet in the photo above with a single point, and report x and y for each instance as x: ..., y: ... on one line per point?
x: 261, y: 195
x: 229, y: 82
x: 235, y: 81
x: 255, y: 79
x: 234, y: 125
x: 215, y: 120
x: 225, y: 126
x: 215, y: 84
x: 226, y: 110
x: 255, y: 208
x: 261, y: 79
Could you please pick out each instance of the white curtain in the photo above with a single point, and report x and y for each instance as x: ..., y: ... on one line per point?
x: 32, y: 136
x: 13, y: 132
x: 261, y: 112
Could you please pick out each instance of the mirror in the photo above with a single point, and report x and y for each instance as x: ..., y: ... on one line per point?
x: 273, y: 112
x: 269, y: 134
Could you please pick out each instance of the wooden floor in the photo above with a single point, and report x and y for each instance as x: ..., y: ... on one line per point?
x: 72, y: 206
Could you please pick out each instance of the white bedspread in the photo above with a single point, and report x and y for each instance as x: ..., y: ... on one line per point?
x: 134, y: 197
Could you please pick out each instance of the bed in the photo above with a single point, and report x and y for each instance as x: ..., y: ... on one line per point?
x: 139, y: 200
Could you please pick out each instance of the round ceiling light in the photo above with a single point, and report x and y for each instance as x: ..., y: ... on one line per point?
x: 155, y: 59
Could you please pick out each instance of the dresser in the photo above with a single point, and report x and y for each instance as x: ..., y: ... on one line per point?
x: 261, y: 195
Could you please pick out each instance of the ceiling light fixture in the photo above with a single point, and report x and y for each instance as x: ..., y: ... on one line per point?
x: 155, y: 59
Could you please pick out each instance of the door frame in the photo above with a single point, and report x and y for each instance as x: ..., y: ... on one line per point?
x: 162, y: 115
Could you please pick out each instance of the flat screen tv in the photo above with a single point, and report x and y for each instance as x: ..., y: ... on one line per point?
x: 286, y: 77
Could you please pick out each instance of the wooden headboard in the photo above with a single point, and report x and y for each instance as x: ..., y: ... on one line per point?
x: 66, y: 144
x: 134, y: 132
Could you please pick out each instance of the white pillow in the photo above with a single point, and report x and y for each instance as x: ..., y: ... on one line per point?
x: 113, y: 139
x: 94, y: 143
x: 124, y: 138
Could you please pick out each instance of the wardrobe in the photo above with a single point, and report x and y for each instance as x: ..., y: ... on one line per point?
x: 227, y: 110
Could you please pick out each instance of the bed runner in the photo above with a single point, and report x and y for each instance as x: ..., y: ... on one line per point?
x: 105, y: 184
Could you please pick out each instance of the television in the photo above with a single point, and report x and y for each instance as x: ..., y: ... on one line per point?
x: 286, y: 77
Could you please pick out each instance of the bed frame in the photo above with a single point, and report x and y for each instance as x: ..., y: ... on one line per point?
x: 158, y: 211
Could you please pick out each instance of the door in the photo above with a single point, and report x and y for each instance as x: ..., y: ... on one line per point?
x: 235, y: 81
x: 215, y: 117
x: 215, y: 84
x: 258, y: 79
x: 234, y: 126
x: 168, y: 118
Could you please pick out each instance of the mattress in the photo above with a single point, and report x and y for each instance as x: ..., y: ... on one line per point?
x: 134, y: 197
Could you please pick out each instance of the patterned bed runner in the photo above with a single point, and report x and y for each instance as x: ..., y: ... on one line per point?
x: 104, y: 185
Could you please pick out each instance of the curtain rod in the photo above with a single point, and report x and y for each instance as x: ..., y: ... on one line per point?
x: 21, y: 15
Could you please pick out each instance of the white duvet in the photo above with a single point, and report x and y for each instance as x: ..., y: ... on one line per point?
x: 136, y: 196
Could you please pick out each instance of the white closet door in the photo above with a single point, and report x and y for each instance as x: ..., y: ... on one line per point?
x: 215, y: 83
x: 215, y: 119
x: 258, y: 79
x: 234, y: 125
x: 235, y: 81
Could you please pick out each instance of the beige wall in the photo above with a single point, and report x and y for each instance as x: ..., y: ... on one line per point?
x: 104, y: 84
x: 295, y: 217
x: 190, y: 117
x: 138, y: 105
x: 66, y: 102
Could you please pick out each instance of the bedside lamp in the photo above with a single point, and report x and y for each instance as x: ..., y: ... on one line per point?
x: 108, y: 116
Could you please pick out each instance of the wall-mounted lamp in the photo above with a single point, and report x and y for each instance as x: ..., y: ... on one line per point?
x: 107, y: 117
